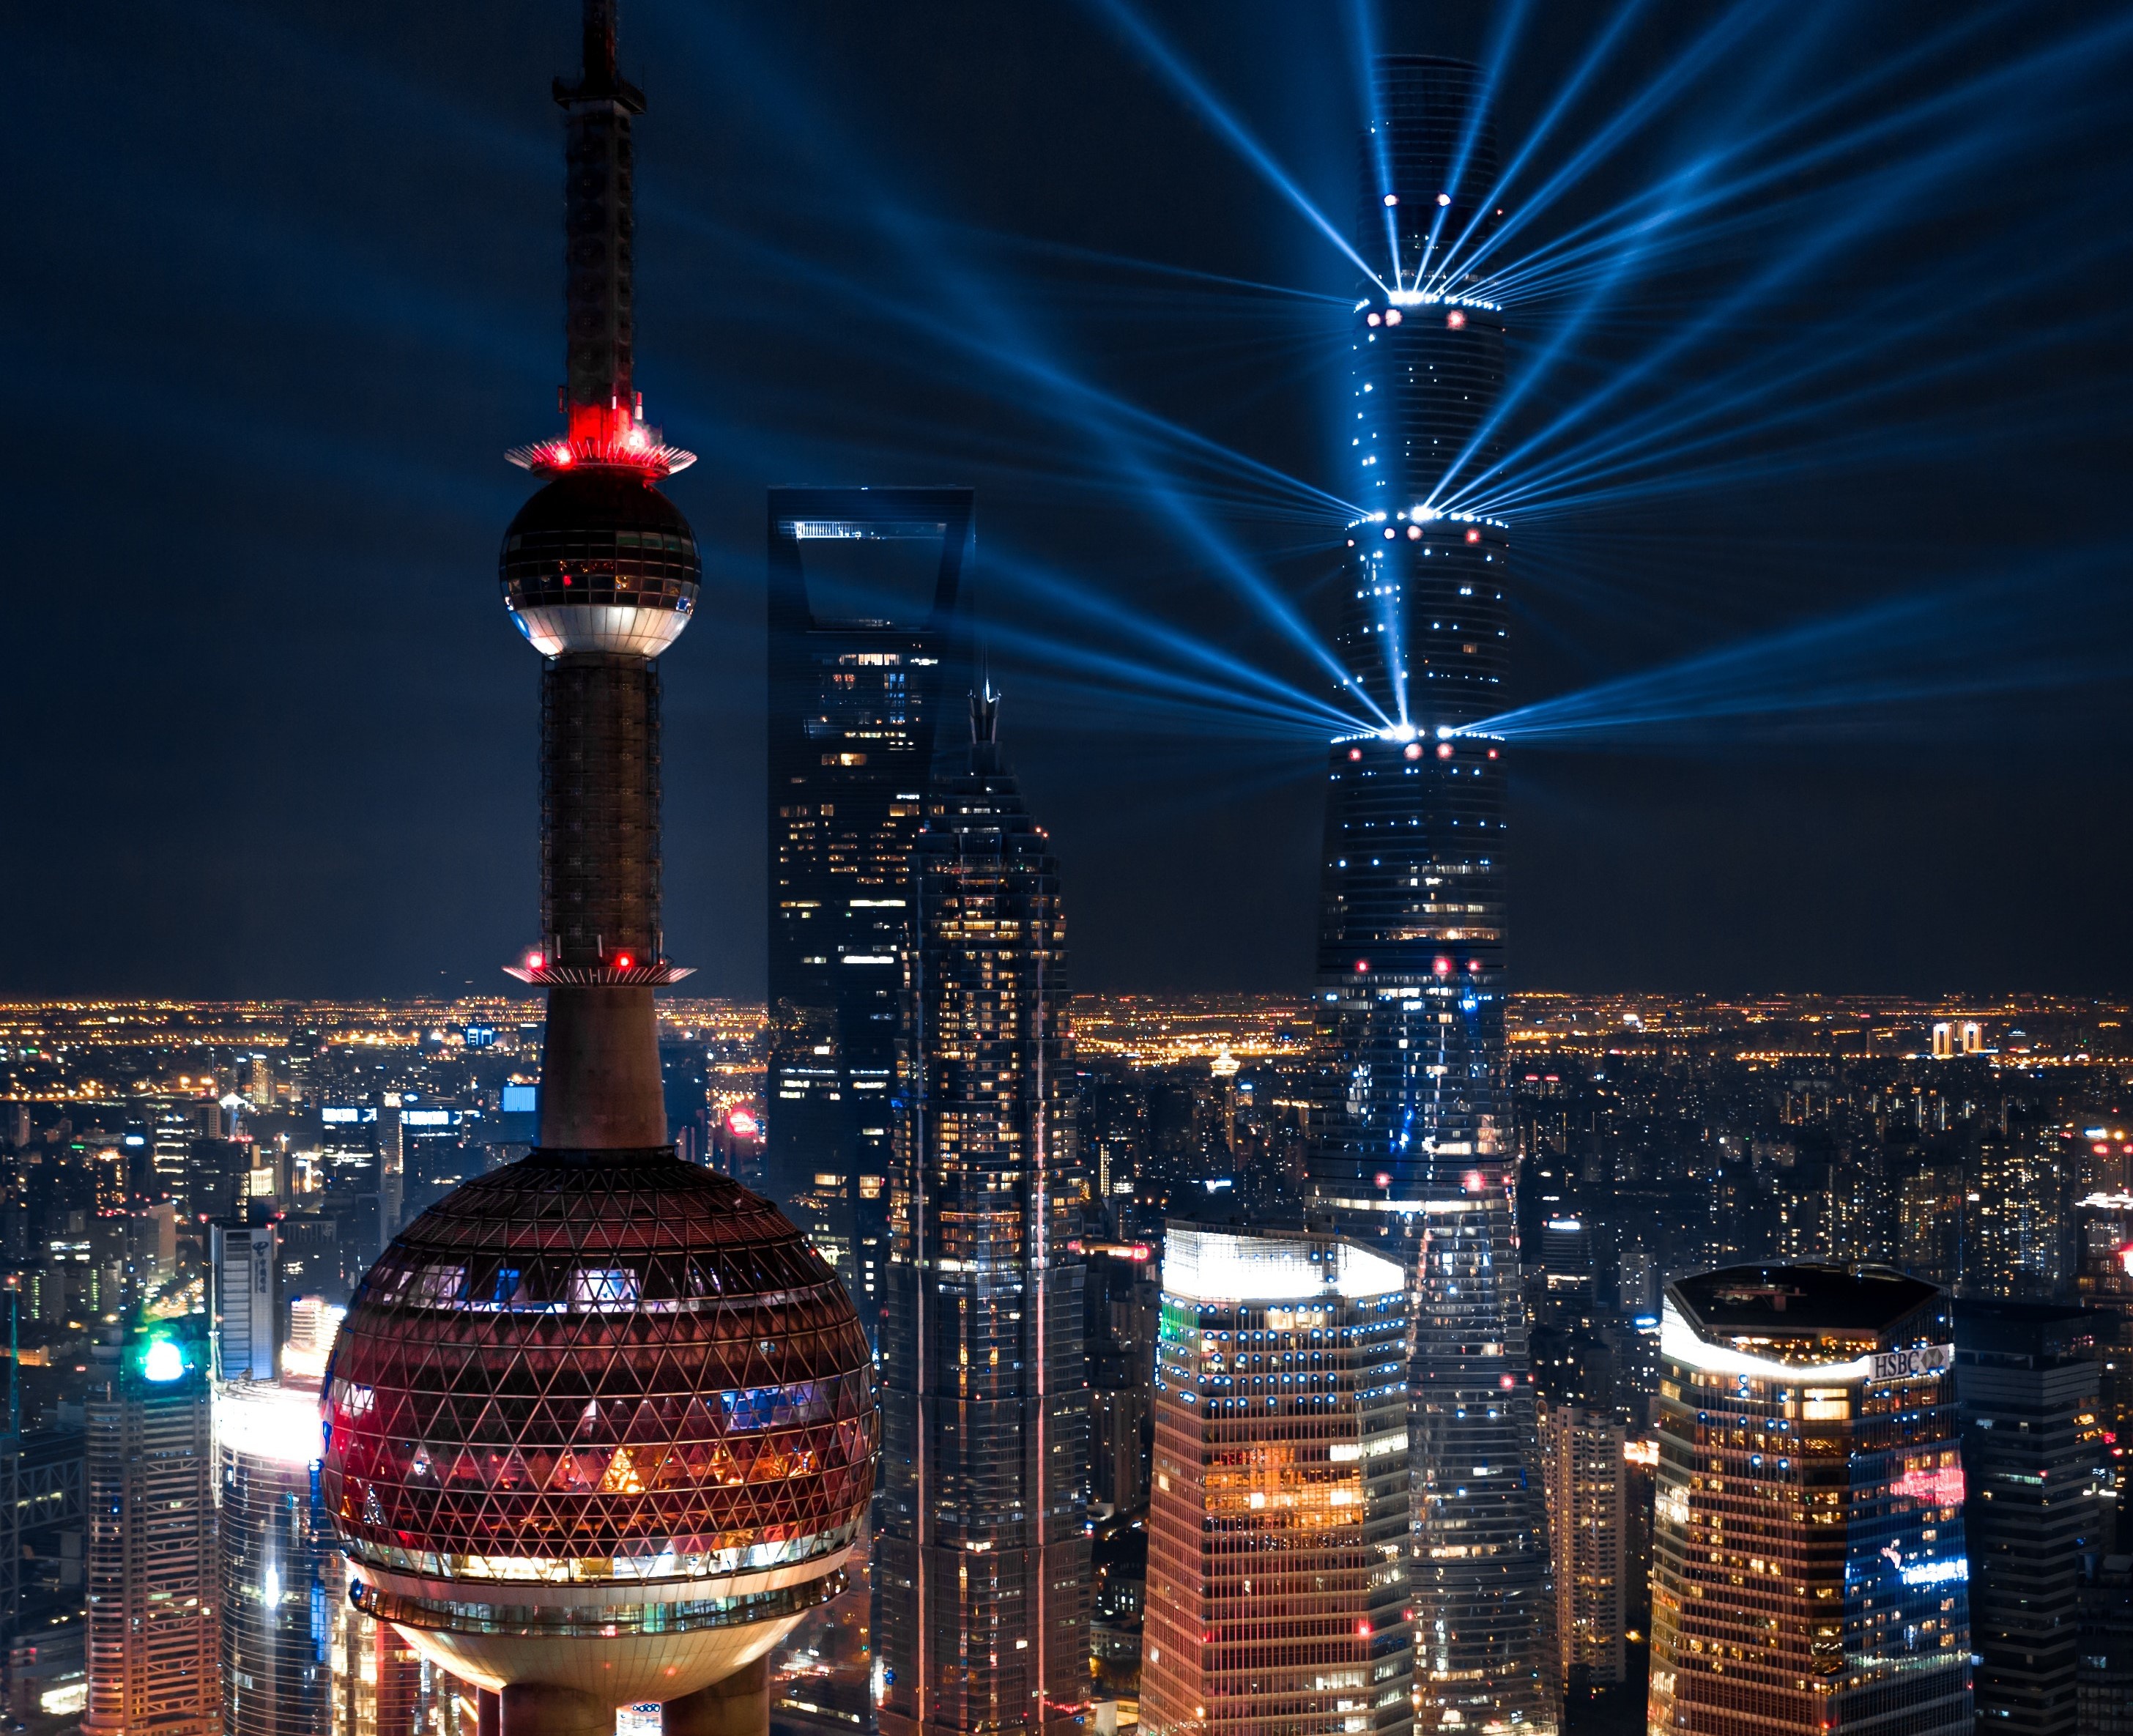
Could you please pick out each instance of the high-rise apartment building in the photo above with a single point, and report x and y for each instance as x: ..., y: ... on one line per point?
x: 1412, y: 1148
x: 1932, y: 1211
x: 2021, y: 1242
x: 982, y: 1566
x: 1278, y: 1580
x: 1586, y: 1479
x: 281, y: 1592
x: 856, y: 689
x: 2033, y: 1459
x: 1808, y: 1573
x: 153, y: 1578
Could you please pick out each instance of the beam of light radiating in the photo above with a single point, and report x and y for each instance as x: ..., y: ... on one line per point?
x: 1107, y: 612
x: 1911, y: 443
x: 1130, y: 262
x: 1626, y: 122
x: 1181, y: 79
x: 2001, y: 636
x: 1512, y: 20
x: 1074, y: 398
x: 1861, y: 214
x: 1665, y: 432
x: 1595, y: 57
x: 1693, y: 191
x: 1362, y: 15
x: 1151, y: 682
x: 983, y: 325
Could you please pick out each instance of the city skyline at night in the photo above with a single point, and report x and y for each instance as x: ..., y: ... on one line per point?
x: 1435, y: 1139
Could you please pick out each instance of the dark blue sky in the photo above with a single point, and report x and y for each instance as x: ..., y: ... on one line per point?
x: 285, y: 283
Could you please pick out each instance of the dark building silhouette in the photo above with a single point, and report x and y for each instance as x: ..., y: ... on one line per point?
x: 2033, y: 1467
x: 1412, y: 1148
x: 855, y: 693
x: 981, y: 1570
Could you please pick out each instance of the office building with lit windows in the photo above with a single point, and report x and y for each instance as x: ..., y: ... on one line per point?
x: 1808, y: 1572
x: 1411, y: 1146
x: 281, y: 1596
x: 864, y: 584
x: 981, y: 1568
x: 153, y: 1580
x: 1278, y: 1593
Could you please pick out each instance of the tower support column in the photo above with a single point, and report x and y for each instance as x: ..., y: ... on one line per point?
x: 738, y: 1706
x: 538, y: 1708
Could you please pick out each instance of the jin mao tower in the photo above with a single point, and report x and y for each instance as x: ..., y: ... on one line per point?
x: 983, y: 1563
x: 1412, y: 1149
x: 600, y: 1424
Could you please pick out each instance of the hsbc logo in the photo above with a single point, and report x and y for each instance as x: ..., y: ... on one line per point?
x: 1915, y: 1364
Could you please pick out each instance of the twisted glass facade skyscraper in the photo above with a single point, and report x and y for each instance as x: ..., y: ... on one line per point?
x: 982, y: 1563
x: 1412, y: 1147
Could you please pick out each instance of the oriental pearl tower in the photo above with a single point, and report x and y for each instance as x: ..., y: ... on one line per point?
x: 601, y: 1425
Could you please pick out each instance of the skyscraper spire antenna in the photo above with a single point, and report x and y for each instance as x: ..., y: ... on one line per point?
x: 598, y: 81
x: 605, y: 410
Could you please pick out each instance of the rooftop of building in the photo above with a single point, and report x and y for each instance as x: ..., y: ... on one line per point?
x: 1787, y: 1301
x: 1202, y: 1263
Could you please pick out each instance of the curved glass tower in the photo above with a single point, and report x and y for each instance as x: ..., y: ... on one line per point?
x: 1411, y: 1146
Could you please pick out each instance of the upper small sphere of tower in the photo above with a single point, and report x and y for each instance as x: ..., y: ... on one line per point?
x: 600, y: 559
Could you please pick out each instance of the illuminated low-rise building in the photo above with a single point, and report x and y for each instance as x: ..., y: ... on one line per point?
x: 1808, y: 1573
x: 1277, y: 1528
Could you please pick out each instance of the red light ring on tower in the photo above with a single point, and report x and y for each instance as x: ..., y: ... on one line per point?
x: 619, y: 971
x: 641, y: 450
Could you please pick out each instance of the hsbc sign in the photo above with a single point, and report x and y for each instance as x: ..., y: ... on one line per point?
x: 1915, y: 1364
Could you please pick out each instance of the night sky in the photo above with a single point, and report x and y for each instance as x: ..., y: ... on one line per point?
x: 285, y: 281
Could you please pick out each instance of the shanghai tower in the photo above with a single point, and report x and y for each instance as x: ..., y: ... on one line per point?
x: 600, y: 1424
x: 1412, y: 1147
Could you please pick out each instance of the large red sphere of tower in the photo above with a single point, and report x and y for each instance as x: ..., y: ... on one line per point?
x: 604, y: 1423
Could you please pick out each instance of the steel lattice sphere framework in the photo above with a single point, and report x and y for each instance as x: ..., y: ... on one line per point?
x: 606, y: 1424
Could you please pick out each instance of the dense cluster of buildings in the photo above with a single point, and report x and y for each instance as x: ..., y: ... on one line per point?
x: 1399, y: 1357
